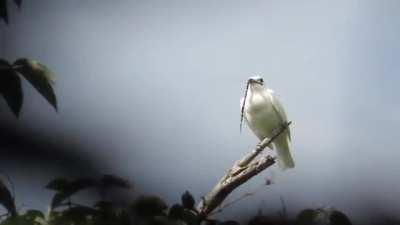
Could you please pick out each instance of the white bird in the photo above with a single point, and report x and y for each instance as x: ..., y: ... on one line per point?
x: 264, y: 113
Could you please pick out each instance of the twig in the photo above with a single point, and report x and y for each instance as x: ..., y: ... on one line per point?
x: 243, y: 170
x: 245, y: 195
x: 283, y: 213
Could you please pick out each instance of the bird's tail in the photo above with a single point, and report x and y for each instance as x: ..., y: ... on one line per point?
x: 285, y: 160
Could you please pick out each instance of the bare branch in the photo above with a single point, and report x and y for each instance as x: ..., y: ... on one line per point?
x: 243, y: 170
x: 243, y: 196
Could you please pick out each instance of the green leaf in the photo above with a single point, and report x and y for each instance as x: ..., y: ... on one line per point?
x: 3, y: 11
x: 32, y: 215
x: 7, y: 200
x: 17, y: 220
x: 79, y: 213
x: 39, y: 76
x: 10, y: 87
x: 52, y: 217
x: 187, y: 200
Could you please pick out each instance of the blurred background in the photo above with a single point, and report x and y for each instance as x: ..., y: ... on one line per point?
x: 150, y: 90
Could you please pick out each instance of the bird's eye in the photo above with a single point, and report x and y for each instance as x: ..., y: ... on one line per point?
x: 261, y: 80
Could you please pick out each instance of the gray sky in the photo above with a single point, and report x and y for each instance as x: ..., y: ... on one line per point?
x: 152, y: 89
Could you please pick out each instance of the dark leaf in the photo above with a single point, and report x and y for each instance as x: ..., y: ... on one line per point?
x: 104, y: 205
x: 17, y: 220
x: 3, y: 10
x: 148, y: 206
x: 212, y: 222
x: 190, y: 217
x: 79, y: 212
x: 230, y: 222
x: 58, y: 184
x: 39, y: 76
x: 176, y: 211
x: 32, y: 214
x: 70, y: 189
x: 7, y: 200
x: 58, y: 198
x: 82, y: 183
x: 162, y: 220
x: 10, y: 87
x: 124, y: 218
x: 108, y: 181
x: 4, y: 64
x: 306, y: 217
x: 339, y: 218
x: 18, y: 3
x: 187, y: 200
x: 53, y: 216
x: 107, y: 210
x: 76, y: 215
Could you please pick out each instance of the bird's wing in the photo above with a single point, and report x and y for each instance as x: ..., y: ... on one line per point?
x: 278, y: 108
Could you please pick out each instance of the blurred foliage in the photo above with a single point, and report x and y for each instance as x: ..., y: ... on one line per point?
x: 4, y: 9
x: 188, y: 200
x: 7, y: 200
x: 142, y: 210
x: 37, y: 74
x: 329, y: 216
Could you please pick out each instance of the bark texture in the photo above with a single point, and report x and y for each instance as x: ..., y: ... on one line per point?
x: 242, y: 170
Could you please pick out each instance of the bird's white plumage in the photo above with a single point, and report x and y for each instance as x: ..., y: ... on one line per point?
x: 264, y: 113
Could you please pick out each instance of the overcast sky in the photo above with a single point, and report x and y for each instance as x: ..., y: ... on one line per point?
x: 152, y: 89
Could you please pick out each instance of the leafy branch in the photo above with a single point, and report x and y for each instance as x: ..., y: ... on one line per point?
x: 37, y: 74
x: 4, y: 9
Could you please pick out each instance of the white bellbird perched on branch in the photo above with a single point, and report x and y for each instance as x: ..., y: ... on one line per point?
x: 264, y: 114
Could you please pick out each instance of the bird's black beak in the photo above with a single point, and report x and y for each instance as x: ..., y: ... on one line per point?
x: 252, y: 81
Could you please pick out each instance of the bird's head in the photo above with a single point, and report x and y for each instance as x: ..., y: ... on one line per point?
x: 256, y: 80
